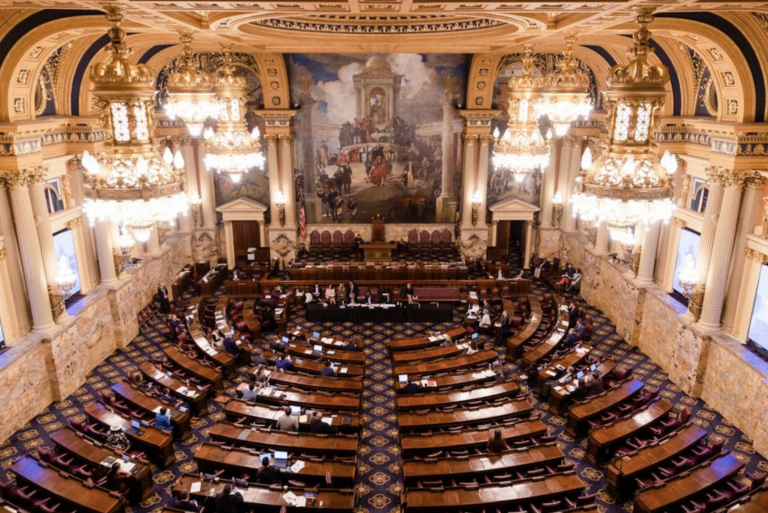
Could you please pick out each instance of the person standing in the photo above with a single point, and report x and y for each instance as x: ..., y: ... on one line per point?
x: 228, y: 502
x: 165, y: 301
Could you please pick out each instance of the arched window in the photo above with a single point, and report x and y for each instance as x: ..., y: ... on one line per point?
x: 54, y: 196
x: 699, y: 203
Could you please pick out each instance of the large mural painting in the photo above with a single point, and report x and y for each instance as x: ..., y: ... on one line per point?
x: 378, y: 134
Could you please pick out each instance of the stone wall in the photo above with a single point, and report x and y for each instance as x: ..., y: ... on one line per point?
x: 550, y: 243
x: 35, y: 372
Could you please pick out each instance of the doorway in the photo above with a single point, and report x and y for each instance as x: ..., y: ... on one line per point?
x: 245, y: 234
x: 516, y: 241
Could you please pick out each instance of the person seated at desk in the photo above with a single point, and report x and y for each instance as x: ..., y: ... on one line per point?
x: 410, y: 294
x: 284, y: 363
x: 353, y: 291
x: 594, y: 384
x: 163, y: 419
x: 288, y: 422
x: 519, y: 276
x: 215, y: 335
x: 275, y: 344
x: 173, y: 322
x: 183, y: 502
x: 235, y: 276
x: 274, y: 296
x: 555, y: 381
x: 261, y: 375
x: 258, y: 357
x: 228, y: 502
x: 138, y: 380
x: 485, y: 321
x: 330, y: 294
x: 386, y: 294
x: 571, y: 339
x: 341, y: 293
x: 328, y: 371
x: 266, y: 474
x: 351, y: 346
x: 413, y: 387
x: 116, y: 439
x: 116, y: 479
x: 472, y: 349
x: 317, y: 426
x: 317, y: 291
x: 500, y: 275
x: 230, y: 346
x: 574, y: 281
x: 496, y: 443
x: 249, y: 393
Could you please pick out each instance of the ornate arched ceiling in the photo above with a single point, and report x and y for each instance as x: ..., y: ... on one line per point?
x: 720, y: 47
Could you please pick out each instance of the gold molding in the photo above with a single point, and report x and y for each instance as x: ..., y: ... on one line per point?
x: 756, y: 255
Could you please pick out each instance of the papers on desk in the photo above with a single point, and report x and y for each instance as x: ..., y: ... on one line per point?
x: 344, y: 370
x: 195, y: 487
x: 473, y: 294
x: 295, y: 500
x: 402, y: 378
x: 326, y: 340
x: 550, y: 373
x: 327, y: 420
x: 296, y: 333
x: 428, y: 383
x: 127, y: 467
x: 581, y: 350
x: 108, y: 461
x: 296, y: 467
x: 564, y: 323
x: 487, y: 373
x: 157, y: 410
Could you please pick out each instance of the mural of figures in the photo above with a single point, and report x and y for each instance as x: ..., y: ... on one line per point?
x: 378, y: 135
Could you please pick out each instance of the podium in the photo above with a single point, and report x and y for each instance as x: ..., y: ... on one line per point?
x: 378, y: 250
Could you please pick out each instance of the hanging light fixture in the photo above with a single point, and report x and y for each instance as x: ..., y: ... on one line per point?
x: 522, y: 149
x: 628, y: 183
x: 232, y: 149
x: 565, y: 92
x: 129, y: 183
x: 190, y: 92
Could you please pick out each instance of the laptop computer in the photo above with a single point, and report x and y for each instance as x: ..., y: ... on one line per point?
x: 296, y: 410
x: 579, y: 374
x: 317, y: 348
x: 475, y: 335
x: 316, y: 335
x: 593, y: 367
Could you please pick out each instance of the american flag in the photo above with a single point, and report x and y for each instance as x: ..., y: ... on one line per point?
x: 302, y: 223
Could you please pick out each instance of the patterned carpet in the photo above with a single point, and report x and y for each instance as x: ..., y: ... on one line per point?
x: 379, y: 483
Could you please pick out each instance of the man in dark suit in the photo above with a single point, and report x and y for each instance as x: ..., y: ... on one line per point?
x: 595, y: 384
x: 573, y: 312
x: 228, y: 502
x: 579, y: 328
x: 165, y: 301
x: 501, y: 339
x: 317, y: 426
x: 230, y: 346
x: 352, y: 291
x: 571, y: 339
x: 183, y: 502
x: 328, y: 371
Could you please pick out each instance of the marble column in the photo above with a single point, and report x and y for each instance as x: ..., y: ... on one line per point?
x: 75, y: 170
x: 750, y: 206
x: 528, y: 244
x: 470, y: 156
x: 207, y: 189
x: 229, y: 244
x: 153, y: 244
x: 45, y: 235
x: 30, y: 251
x: 720, y: 259
x: 447, y: 203
x: 648, y: 254
x: 103, y: 235
x: 273, y: 165
x: 603, y: 240
x: 17, y: 290
x: 288, y: 184
x: 481, y: 182
x: 7, y: 305
x: 569, y: 168
x: 716, y: 177
x: 548, y: 185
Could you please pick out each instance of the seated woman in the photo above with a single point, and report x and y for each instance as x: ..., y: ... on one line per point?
x: 341, y: 292
x: 330, y: 294
x: 410, y: 294
x: 472, y: 349
x: 575, y: 281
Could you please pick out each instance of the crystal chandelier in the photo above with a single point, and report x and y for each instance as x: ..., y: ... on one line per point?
x: 65, y: 276
x: 190, y: 93
x: 232, y: 149
x: 628, y: 183
x: 565, y: 92
x: 129, y: 183
x: 522, y: 149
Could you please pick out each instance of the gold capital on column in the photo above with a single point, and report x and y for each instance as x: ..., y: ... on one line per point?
x: 718, y: 175
x: 272, y: 139
x: 485, y: 139
x: 35, y: 174
x: 286, y: 139
x: 753, y: 180
x: 678, y: 223
x: 74, y: 223
x: 757, y: 256
x: 469, y: 138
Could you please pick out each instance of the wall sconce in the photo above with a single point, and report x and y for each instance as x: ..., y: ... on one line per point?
x: 280, y: 204
x: 197, y: 206
x: 477, y: 200
x: 557, y: 208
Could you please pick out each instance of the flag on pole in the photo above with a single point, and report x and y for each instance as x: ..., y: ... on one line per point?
x: 302, y: 223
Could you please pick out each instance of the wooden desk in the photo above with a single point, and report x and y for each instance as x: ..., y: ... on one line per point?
x: 342, y: 445
x: 579, y: 414
x: 329, y: 342
x: 307, y: 382
x: 221, y: 358
x: 378, y: 251
x: 541, y: 352
x: 238, y: 462
x: 515, y: 342
x: 622, y: 471
x: 242, y: 288
x: 315, y: 367
x: 66, y: 488
x: 495, y: 495
x: 448, y: 364
x: 465, y: 416
x: 182, y: 283
x: 76, y: 444
x: 313, y: 400
x: 193, y: 368
x: 756, y: 502
x: 676, y: 491
x: 473, y: 466
x: 560, y: 401
x: 236, y: 409
x: 469, y: 438
x: 153, y: 442
x: 459, y: 379
x: 572, y: 358
x: 210, y: 283
x: 409, y: 344
x: 302, y: 350
x: 263, y: 499
x: 138, y: 399
x: 422, y: 355
x: 175, y: 387
x: 438, y: 400
x: 249, y: 317
x: 602, y: 440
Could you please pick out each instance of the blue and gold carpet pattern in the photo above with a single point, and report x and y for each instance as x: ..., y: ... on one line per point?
x: 379, y: 482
